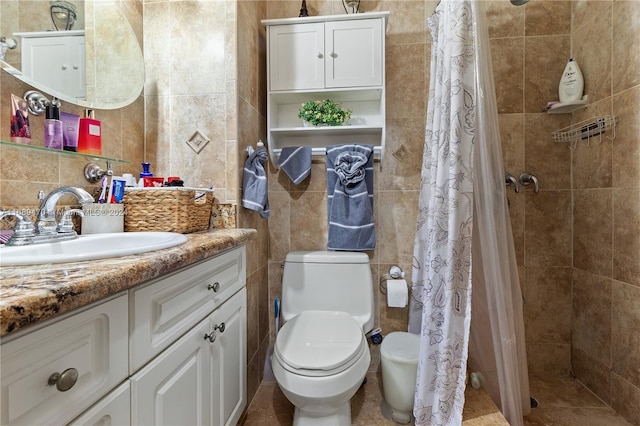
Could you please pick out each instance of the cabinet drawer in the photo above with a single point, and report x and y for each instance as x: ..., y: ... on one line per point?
x: 113, y: 409
x: 166, y: 308
x: 93, y: 342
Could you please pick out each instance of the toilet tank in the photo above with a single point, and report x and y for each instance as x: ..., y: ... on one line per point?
x: 328, y: 281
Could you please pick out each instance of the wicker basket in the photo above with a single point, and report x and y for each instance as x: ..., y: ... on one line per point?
x: 173, y: 209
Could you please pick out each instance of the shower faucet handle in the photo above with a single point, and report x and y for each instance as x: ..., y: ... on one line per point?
x: 526, y: 179
x: 511, y: 180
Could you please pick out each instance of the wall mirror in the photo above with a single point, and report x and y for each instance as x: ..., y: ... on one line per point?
x: 114, y: 67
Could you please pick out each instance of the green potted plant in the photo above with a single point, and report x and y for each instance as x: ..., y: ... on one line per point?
x: 323, y: 113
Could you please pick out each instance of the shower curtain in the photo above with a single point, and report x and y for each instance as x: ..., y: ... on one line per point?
x: 463, y: 233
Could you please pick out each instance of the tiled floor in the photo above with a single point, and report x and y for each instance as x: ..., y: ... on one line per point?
x: 562, y: 402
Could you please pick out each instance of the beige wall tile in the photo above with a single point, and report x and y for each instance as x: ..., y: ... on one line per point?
x: 592, y: 50
x: 549, y: 359
x: 585, y: 10
x: 547, y: 295
x: 593, y: 374
x: 405, y: 81
x: 544, y: 61
x: 308, y: 221
x: 279, y: 231
x: 508, y: 73
x: 625, y: 54
x: 591, y: 320
x: 625, y: 398
x: 396, y: 225
x: 625, y: 339
x: 504, y: 20
x: 547, y: 18
x: 548, y: 229
x: 403, y: 154
x: 593, y: 231
x: 626, y: 145
x: 548, y: 160
x: 626, y: 236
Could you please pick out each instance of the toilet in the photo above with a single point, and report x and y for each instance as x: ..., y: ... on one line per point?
x: 399, y: 359
x: 321, y: 355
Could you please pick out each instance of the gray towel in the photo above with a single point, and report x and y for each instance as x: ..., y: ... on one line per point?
x: 296, y: 162
x: 350, y: 197
x: 254, y: 183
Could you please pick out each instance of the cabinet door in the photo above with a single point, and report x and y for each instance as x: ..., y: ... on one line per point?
x: 174, y: 388
x: 296, y: 56
x: 112, y: 410
x: 56, y: 62
x: 92, y: 342
x: 354, y: 53
x: 229, y: 360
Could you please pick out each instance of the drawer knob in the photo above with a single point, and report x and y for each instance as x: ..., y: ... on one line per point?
x: 215, y: 287
x: 211, y: 337
x: 65, y: 380
x: 219, y: 327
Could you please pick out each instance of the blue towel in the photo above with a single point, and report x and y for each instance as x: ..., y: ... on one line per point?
x: 296, y: 162
x: 350, y: 197
x: 254, y: 183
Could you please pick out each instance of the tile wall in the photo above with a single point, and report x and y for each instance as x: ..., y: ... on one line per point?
x: 578, y: 239
x: 606, y: 209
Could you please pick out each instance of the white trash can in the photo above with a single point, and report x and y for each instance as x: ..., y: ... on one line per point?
x: 399, y: 358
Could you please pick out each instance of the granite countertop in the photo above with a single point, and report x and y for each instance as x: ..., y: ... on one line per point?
x: 29, y: 294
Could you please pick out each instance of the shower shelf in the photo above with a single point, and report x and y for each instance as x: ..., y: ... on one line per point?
x: 587, y: 129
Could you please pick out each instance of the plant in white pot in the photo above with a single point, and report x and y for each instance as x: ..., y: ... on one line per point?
x: 323, y: 113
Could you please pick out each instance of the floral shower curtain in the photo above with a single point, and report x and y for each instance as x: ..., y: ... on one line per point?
x: 442, y: 251
x: 462, y: 213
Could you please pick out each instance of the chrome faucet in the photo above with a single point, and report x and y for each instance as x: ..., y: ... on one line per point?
x: 46, y: 223
x: 23, y: 231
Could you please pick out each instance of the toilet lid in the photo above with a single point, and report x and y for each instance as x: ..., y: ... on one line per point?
x: 319, y: 342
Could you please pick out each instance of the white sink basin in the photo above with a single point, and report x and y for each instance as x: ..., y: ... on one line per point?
x: 90, y: 247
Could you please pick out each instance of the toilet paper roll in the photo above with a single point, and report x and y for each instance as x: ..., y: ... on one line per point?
x: 397, y: 293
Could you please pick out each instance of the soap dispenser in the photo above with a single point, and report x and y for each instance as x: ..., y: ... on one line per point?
x: 571, y: 84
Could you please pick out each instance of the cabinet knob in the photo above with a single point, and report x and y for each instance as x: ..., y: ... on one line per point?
x: 210, y: 336
x: 64, y: 66
x: 219, y: 327
x: 320, y: 56
x: 76, y: 66
x: 215, y: 287
x: 333, y: 54
x: 65, y: 380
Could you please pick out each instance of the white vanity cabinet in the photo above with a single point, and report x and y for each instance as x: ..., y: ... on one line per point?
x: 91, y: 343
x: 201, y: 378
x: 337, y: 57
x: 170, y: 351
x: 55, y: 59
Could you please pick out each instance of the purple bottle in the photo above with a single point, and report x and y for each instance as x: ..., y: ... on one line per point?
x: 52, y: 128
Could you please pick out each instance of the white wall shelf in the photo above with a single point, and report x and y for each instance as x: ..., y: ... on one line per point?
x: 328, y: 57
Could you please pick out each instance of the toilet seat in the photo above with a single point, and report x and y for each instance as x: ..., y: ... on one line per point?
x: 319, y: 343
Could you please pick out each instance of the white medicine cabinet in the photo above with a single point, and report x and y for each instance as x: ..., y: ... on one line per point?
x: 337, y: 57
x: 56, y: 59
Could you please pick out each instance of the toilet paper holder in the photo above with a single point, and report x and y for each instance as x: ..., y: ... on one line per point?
x: 395, y: 273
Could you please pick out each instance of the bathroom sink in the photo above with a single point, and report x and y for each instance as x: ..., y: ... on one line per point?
x: 90, y: 247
